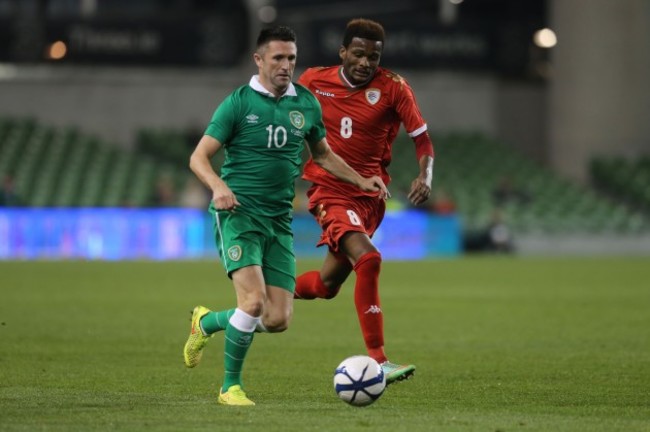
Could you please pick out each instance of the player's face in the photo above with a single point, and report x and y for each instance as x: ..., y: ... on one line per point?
x: 276, y: 62
x: 361, y: 59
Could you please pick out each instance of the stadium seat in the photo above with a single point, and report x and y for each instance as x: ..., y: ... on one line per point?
x: 63, y: 167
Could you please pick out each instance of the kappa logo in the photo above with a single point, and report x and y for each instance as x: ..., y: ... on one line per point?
x: 234, y: 253
x: 297, y: 119
x: 373, y: 95
x: 324, y: 93
x: 374, y: 309
x: 252, y: 118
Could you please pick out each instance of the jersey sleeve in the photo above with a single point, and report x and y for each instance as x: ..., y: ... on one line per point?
x: 317, y: 131
x: 222, y: 125
x: 305, y: 78
x: 408, y: 110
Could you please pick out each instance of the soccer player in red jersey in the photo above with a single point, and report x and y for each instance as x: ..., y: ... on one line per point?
x: 363, y: 108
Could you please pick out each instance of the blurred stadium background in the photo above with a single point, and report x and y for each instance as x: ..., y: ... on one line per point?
x: 539, y: 112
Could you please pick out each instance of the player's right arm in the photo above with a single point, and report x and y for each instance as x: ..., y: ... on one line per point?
x: 323, y: 156
x: 222, y: 197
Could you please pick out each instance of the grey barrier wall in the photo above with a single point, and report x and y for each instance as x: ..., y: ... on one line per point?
x: 115, y: 103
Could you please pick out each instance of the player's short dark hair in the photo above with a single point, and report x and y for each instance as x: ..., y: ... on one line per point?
x: 363, y: 28
x: 278, y: 33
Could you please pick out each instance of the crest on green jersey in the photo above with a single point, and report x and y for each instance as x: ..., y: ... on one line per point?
x: 234, y: 253
x: 297, y: 119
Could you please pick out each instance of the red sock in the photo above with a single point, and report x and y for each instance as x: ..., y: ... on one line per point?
x: 309, y: 286
x: 366, y: 300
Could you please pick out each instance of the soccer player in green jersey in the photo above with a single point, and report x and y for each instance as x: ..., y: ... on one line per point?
x: 262, y: 128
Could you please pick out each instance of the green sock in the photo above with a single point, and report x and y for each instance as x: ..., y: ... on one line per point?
x: 237, y: 343
x: 213, y: 322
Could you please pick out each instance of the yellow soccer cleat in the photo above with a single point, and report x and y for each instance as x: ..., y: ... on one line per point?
x: 193, y: 349
x: 234, y: 396
x: 396, y: 372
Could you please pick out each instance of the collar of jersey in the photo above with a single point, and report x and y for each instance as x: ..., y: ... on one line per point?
x: 255, y: 85
x: 349, y: 84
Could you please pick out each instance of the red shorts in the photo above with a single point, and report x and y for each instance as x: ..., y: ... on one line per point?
x: 344, y: 214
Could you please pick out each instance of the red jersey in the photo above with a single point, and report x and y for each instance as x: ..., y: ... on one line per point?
x: 362, y: 122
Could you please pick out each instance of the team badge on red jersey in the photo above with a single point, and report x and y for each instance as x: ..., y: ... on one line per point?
x: 373, y: 95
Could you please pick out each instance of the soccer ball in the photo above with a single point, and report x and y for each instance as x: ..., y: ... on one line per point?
x: 359, y: 380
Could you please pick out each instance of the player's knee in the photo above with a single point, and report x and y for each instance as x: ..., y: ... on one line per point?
x: 276, y: 327
x: 277, y: 323
x: 370, y: 261
x: 252, y: 305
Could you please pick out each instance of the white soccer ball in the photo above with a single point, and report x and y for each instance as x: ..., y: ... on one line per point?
x: 359, y: 380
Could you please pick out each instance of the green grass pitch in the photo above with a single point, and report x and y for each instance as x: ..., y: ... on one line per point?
x: 500, y: 344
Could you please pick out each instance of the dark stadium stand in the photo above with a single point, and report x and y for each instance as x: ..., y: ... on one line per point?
x: 471, y: 167
x: 65, y: 168
x: 625, y: 180
x: 62, y: 167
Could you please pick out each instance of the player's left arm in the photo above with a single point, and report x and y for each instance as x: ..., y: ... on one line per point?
x: 421, y: 185
x: 409, y: 113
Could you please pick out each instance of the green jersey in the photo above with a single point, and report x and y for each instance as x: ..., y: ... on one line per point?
x: 263, y: 138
